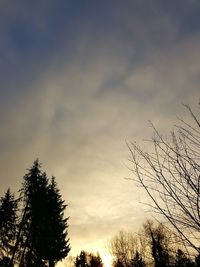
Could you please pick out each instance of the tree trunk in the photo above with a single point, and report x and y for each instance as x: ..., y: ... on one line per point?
x: 18, y: 236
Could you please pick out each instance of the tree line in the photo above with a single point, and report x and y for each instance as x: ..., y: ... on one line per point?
x: 33, y: 228
x: 154, y: 245
x: 85, y: 259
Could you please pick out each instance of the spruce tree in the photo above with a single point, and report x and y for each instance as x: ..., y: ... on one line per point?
x: 56, y: 243
x: 8, y: 220
x: 42, y: 234
x: 34, y: 194
x: 81, y: 260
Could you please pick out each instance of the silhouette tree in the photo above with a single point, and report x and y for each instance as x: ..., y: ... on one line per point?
x: 117, y: 263
x: 170, y: 174
x: 95, y: 260
x: 42, y: 230
x: 8, y: 219
x: 158, y: 244
x: 34, y: 195
x: 85, y: 259
x: 81, y: 260
x: 182, y: 260
x: 123, y: 246
x: 56, y: 244
x: 137, y: 261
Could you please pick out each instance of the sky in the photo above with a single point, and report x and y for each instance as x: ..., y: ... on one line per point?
x: 78, y: 80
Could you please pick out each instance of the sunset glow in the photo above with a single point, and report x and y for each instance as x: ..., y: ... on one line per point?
x: 107, y: 260
x: 80, y: 80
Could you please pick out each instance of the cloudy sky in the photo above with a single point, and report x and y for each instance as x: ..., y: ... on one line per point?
x: 79, y: 79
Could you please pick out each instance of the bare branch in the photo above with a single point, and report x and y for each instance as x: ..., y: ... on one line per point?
x: 170, y: 175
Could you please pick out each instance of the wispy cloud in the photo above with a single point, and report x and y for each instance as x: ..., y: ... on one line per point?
x: 81, y: 88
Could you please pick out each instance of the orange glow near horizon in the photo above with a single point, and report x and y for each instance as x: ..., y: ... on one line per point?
x: 105, y: 256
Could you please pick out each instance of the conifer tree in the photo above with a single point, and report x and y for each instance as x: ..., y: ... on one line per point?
x: 81, y: 260
x: 85, y: 259
x: 8, y: 218
x: 95, y: 260
x: 57, y: 244
x: 42, y: 234
x: 34, y: 195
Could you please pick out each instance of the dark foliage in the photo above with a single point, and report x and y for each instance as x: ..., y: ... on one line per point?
x: 157, y: 240
x: 56, y: 242
x: 8, y: 220
x: 81, y: 260
x: 85, y: 259
x: 95, y: 260
x: 41, y: 237
x: 182, y: 260
x: 118, y: 263
x: 137, y: 261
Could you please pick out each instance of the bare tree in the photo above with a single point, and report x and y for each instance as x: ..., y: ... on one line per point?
x: 170, y: 174
x: 123, y: 247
